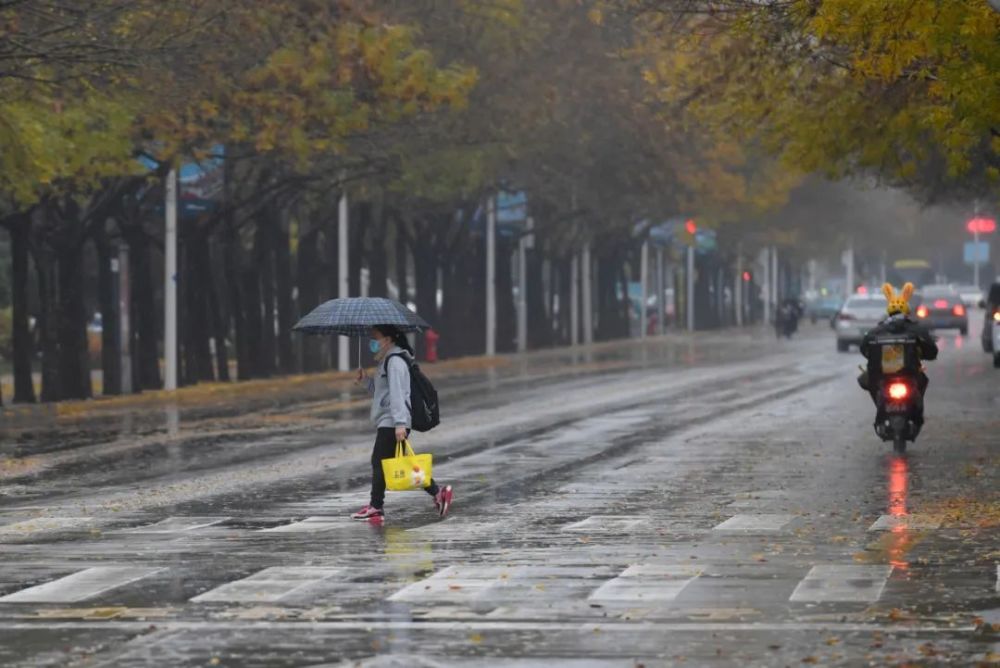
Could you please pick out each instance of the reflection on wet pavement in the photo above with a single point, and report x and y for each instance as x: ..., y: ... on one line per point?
x: 695, y: 504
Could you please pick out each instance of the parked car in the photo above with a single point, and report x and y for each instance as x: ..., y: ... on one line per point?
x: 991, y: 323
x: 971, y: 295
x: 941, y: 307
x: 859, y: 314
x: 823, y: 308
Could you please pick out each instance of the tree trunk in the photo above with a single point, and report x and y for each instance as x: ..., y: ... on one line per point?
x: 506, y: 311
x: 196, y: 282
x: 308, y: 281
x: 286, y: 308
x: 145, y: 321
x: 264, y: 255
x: 24, y: 349
x: 48, y: 317
x: 378, y: 264
x: 253, y: 323
x: 609, y: 319
x: 110, y: 357
x: 74, y: 362
x: 359, y: 227
x: 218, y: 312
x: 236, y: 282
x: 425, y: 274
x: 402, y: 253
x: 539, y: 327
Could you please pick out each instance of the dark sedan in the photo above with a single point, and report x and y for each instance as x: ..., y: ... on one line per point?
x: 941, y: 307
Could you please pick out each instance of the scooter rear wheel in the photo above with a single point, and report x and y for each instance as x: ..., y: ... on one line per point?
x: 899, y: 444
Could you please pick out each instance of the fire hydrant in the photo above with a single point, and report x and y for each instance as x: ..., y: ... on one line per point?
x: 432, y: 345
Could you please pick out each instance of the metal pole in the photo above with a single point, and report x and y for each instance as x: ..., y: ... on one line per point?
x: 765, y: 287
x: 849, y: 266
x: 775, y: 278
x: 170, y: 286
x: 644, y: 296
x: 690, y: 288
x: 588, y: 303
x: 975, y: 264
x: 738, y: 288
x: 661, y: 300
x: 522, y: 293
x: 574, y: 300
x: 343, y: 284
x: 491, y: 273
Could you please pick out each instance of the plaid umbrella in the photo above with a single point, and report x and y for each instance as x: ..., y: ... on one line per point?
x: 355, y: 316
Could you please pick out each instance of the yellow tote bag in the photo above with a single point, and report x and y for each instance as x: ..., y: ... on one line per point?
x: 407, y: 470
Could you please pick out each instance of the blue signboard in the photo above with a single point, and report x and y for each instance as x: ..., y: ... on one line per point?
x: 976, y: 253
x: 200, y: 183
x: 512, y: 207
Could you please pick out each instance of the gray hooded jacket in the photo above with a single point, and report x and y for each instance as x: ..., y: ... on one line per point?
x: 390, y: 390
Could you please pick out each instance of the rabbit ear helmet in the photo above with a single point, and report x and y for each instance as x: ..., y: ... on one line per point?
x: 898, y: 302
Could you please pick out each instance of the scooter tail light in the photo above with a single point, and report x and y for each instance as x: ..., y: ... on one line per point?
x: 898, y: 391
x: 922, y: 312
x: 996, y: 316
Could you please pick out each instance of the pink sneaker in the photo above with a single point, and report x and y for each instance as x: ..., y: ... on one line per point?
x: 442, y: 500
x: 369, y: 513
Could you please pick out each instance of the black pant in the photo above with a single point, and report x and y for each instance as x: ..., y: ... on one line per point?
x: 385, y: 448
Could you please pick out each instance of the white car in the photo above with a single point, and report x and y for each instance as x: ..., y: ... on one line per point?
x: 858, y: 315
x: 970, y: 294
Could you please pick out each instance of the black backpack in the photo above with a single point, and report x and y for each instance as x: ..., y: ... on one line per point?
x: 424, y: 411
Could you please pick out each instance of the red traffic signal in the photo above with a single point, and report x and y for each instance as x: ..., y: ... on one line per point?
x: 689, y: 226
x: 746, y: 276
x: 980, y: 225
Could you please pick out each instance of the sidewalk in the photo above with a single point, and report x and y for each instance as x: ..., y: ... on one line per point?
x: 241, y: 397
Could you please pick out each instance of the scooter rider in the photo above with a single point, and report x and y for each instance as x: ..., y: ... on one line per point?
x: 897, y: 323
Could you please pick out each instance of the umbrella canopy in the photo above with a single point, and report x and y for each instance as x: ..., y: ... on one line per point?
x: 355, y: 316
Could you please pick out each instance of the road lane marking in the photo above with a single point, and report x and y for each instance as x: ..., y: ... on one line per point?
x: 269, y: 585
x: 308, y: 525
x: 457, y: 584
x: 441, y: 661
x: 836, y: 583
x: 755, y: 523
x: 177, y: 525
x: 647, y: 582
x: 605, y: 524
x: 81, y: 585
x: 368, y: 625
x: 908, y: 522
x: 39, y: 524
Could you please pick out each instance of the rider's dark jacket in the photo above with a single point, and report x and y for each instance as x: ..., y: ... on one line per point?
x: 899, y: 324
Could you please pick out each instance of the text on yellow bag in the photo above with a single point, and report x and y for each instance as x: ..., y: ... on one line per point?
x: 407, y: 470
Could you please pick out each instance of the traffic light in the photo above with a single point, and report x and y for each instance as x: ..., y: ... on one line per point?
x: 747, y: 276
x: 980, y: 225
x: 690, y: 227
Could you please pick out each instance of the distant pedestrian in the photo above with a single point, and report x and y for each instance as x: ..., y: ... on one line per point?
x: 391, y: 416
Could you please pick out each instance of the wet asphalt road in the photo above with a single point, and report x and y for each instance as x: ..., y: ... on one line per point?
x: 721, y: 502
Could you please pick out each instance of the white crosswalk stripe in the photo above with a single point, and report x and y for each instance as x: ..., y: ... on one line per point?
x: 908, y: 522
x: 81, y: 585
x: 605, y: 524
x: 647, y: 582
x: 178, y: 525
x: 268, y: 586
x: 755, y: 523
x: 308, y: 525
x: 842, y: 583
